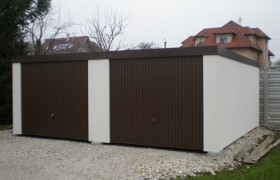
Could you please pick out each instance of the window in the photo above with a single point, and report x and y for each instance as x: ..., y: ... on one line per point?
x: 61, y: 47
x: 199, y: 43
x: 223, y: 38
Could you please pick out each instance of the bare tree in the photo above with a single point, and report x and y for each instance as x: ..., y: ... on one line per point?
x: 38, y: 29
x: 57, y: 30
x: 147, y: 45
x: 35, y: 32
x: 107, y: 30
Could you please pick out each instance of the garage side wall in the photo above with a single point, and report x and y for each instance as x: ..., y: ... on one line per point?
x: 17, y: 115
x: 99, y: 100
x: 231, y: 98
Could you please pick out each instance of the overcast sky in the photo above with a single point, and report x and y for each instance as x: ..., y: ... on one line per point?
x: 175, y: 20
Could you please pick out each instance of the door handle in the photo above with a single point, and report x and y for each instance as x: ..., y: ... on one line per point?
x: 153, y: 120
x: 52, y: 115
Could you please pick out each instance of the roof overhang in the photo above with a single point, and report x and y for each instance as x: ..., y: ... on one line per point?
x: 270, y: 53
x: 133, y: 54
x: 249, y: 47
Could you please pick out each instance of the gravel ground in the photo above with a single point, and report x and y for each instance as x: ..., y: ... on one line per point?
x: 36, y: 158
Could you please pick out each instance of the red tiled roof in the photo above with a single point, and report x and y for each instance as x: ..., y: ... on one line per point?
x: 94, y: 47
x: 189, y: 42
x: 206, y: 32
x: 67, y: 45
x: 239, y: 39
x: 260, y: 33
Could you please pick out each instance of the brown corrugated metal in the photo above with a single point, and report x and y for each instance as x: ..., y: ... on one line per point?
x: 157, y: 102
x: 60, y: 88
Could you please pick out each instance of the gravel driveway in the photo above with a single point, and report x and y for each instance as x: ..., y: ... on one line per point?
x: 37, y: 158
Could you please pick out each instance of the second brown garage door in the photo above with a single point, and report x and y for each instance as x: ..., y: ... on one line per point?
x: 157, y: 102
x: 55, y: 99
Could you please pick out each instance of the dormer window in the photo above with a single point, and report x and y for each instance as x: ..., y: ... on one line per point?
x: 61, y: 47
x: 199, y: 41
x: 223, y: 38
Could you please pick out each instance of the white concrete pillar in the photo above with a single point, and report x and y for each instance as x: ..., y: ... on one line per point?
x: 99, y: 100
x: 17, y: 103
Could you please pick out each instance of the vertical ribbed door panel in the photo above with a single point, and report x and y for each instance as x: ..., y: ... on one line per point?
x: 157, y: 102
x: 55, y: 99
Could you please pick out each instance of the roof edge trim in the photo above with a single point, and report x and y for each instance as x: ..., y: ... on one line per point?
x: 137, y: 54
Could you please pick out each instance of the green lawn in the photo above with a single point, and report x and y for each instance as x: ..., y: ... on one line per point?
x: 267, y: 168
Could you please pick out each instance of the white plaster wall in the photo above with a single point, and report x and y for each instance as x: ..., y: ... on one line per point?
x: 17, y: 118
x: 99, y: 100
x: 231, y: 101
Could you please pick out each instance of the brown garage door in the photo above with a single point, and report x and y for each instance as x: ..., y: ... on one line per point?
x: 157, y: 102
x: 55, y: 99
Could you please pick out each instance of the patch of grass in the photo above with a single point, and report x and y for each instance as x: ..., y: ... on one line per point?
x: 268, y: 168
x: 5, y: 126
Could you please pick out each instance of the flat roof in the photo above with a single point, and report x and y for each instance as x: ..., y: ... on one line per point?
x: 137, y: 54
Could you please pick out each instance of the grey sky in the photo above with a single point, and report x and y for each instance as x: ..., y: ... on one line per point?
x: 175, y: 20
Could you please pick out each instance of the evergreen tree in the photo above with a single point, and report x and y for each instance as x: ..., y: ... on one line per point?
x: 15, y: 15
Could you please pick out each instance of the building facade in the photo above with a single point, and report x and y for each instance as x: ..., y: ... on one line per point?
x: 246, y: 41
x: 69, y: 45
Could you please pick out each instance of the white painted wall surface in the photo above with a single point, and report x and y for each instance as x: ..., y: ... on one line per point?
x: 231, y: 101
x: 99, y: 100
x: 17, y: 118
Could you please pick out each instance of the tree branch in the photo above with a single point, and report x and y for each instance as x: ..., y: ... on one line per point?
x: 107, y: 31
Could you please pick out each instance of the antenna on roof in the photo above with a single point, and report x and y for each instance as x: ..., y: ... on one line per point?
x: 239, y: 20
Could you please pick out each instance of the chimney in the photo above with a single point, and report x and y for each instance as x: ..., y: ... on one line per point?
x: 67, y: 38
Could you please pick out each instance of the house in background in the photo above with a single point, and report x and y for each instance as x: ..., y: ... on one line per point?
x: 69, y: 45
x: 243, y: 40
